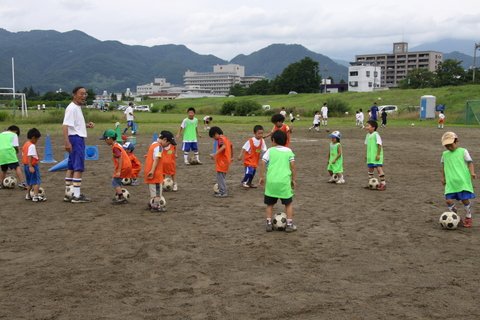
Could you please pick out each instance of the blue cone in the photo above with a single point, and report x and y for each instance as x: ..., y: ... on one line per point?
x: 155, y: 137
x: 91, y: 153
x: 48, y: 156
x: 60, y: 165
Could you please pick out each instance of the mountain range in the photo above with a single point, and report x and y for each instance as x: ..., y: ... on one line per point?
x: 49, y: 60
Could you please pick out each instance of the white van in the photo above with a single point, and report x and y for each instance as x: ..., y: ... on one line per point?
x: 388, y: 109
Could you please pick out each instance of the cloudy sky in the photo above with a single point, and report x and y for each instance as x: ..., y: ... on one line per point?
x: 338, y: 29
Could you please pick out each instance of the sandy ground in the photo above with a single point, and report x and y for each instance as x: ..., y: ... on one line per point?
x: 357, y: 254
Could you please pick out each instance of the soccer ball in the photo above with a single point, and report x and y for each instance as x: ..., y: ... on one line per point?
x: 41, y: 192
x: 163, y: 202
x: 335, y: 177
x: 69, y: 192
x: 279, y: 221
x: 10, y: 182
x: 346, y: 112
x: 193, y: 160
x: 373, y: 184
x: 208, y: 128
x: 168, y: 184
x: 215, y: 188
x: 125, y: 192
x: 449, y: 220
x: 413, y: 124
x: 126, y: 181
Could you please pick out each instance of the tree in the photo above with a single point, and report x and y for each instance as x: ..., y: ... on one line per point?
x: 237, y: 90
x: 260, y: 87
x: 418, y: 78
x: 331, y: 79
x: 301, y: 76
x: 342, y: 81
x: 91, y: 96
x: 450, y: 73
x: 113, y: 97
x: 124, y: 97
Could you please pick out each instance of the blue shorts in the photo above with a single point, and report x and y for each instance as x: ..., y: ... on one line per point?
x: 76, y: 159
x: 12, y: 166
x: 190, y: 146
x: 249, y: 170
x: 270, y: 200
x: 464, y: 195
x: 116, y: 182
x: 32, y: 178
x: 374, y: 165
x: 130, y: 123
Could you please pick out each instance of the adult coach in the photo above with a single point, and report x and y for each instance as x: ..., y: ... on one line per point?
x: 374, y: 112
x: 128, y: 115
x: 74, y: 134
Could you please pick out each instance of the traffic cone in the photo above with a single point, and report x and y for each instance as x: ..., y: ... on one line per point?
x: 91, y: 153
x: 48, y: 156
x: 119, y: 135
x: 59, y: 166
x: 155, y: 136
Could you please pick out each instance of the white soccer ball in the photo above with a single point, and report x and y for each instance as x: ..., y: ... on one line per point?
x: 208, y: 128
x: 10, y: 182
x: 346, y: 112
x: 69, y: 192
x: 41, y: 192
x: 125, y: 192
x: 168, y: 184
x: 335, y: 177
x: 215, y: 188
x: 126, y: 181
x: 449, y: 220
x: 279, y: 221
x: 413, y: 124
x: 163, y: 202
x: 373, y: 184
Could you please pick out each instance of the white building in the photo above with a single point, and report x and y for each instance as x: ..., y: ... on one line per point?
x: 153, y: 87
x: 221, y: 79
x: 363, y: 77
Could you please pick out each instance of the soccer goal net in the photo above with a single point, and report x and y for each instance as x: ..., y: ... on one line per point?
x: 471, y: 113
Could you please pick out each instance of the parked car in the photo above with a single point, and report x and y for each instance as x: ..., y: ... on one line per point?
x: 122, y: 108
x: 143, y: 108
x: 266, y: 107
x: 388, y: 109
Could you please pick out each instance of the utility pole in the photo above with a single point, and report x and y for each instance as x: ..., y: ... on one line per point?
x: 475, y: 60
x: 324, y: 78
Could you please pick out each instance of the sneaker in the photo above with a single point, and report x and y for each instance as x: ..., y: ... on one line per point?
x: 366, y: 187
x: 218, y: 195
x: 134, y: 183
x: 175, y: 187
x: 467, y: 223
x: 38, y: 199
x: 187, y: 163
x: 198, y: 162
x: 291, y: 228
x: 118, y: 201
x: 22, y: 185
x: 245, y: 185
x: 382, y: 187
x: 1, y: 186
x: 268, y: 227
x: 340, y: 181
x: 251, y: 185
x: 149, y: 206
x: 158, y: 209
x: 28, y: 197
x: 80, y: 199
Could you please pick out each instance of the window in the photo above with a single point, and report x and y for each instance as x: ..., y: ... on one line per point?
x: 368, y: 73
x: 370, y: 84
x: 353, y: 83
x: 353, y: 73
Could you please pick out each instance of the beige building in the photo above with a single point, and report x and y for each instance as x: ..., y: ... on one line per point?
x: 221, y: 79
x: 395, y: 66
x: 153, y: 87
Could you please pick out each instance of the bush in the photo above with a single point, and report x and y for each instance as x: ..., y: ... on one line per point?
x: 155, y: 109
x: 4, y: 116
x: 112, y: 107
x: 337, y: 107
x: 228, y: 107
x: 169, y: 106
x: 246, y: 107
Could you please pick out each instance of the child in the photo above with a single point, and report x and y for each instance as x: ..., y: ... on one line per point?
x: 283, y: 112
x: 223, y: 158
x: 252, y: 150
x: 280, y: 182
x: 357, y: 118
x: 361, y: 118
x: 458, y: 172
x: 206, y: 122
x: 384, y: 118
x: 335, y: 158
x: 278, y: 121
x: 8, y: 155
x: 292, y: 119
x: 154, y: 169
x: 316, y: 122
x: 374, y: 153
x: 30, y: 165
x: 190, y: 127
x: 169, y: 160
x: 441, y: 120
x: 123, y: 166
x: 136, y: 165
x: 324, y: 111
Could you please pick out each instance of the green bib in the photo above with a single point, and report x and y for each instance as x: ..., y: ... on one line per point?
x: 279, y: 174
x: 457, y: 174
x: 8, y: 154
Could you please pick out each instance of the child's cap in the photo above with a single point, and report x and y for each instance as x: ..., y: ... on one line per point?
x: 128, y: 146
x: 110, y: 133
x: 449, y: 138
x: 335, y: 134
x: 169, y: 136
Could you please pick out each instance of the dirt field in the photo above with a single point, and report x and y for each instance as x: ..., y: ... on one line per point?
x: 357, y: 254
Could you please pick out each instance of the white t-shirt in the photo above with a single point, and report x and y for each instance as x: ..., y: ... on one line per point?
x: 291, y: 116
x: 129, y: 113
x: 206, y: 118
x: 324, y: 112
x: 316, y: 119
x: 256, y: 143
x: 266, y: 155
x: 379, y: 139
x: 283, y: 113
x: 14, y: 139
x: 361, y: 116
x: 32, y: 151
x: 441, y: 116
x: 75, y: 121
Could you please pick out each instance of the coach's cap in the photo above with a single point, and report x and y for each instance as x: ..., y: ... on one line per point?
x: 130, y: 103
x: 335, y: 134
x: 169, y: 136
x: 449, y: 138
x: 128, y: 146
x: 110, y: 133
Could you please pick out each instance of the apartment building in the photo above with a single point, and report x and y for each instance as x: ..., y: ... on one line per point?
x: 394, y: 67
x: 153, y: 87
x: 221, y: 79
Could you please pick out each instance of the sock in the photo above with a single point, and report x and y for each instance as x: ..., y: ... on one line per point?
x: 452, y: 208
x: 120, y: 195
x: 77, y: 183
x: 197, y: 156
x: 125, y: 130
x: 289, y: 221
x: 250, y: 178
x: 382, y: 179
x: 185, y: 157
x: 68, y: 182
x: 370, y: 175
x: 269, y: 221
x: 468, y: 209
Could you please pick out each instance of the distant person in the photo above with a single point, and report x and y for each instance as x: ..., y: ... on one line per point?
x: 8, y: 155
x: 189, y: 127
x: 441, y: 120
x: 324, y: 112
x: 361, y: 117
x: 374, y: 153
x: 357, y: 119
x: 30, y: 165
x: 283, y: 112
x: 316, y: 122
x: 384, y: 118
x: 38, y: 107
x: 280, y: 179
x: 374, y: 112
x: 74, y: 134
x: 129, y: 116
x: 458, y: 172
x: 278, y: 121
x: 292, y: 119
x: 44, y: 107
x: 206, y: 122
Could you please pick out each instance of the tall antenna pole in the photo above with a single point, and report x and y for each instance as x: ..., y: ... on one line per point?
x: 475, y: 60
